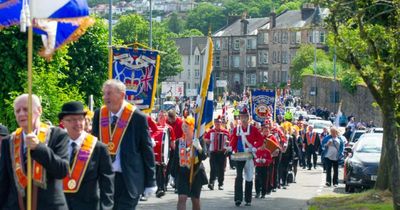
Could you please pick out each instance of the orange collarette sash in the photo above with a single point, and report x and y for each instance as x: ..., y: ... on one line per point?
x: 38, y: 174
x: 81, y: 161
x: 119, y: 130
x: 312, y: 140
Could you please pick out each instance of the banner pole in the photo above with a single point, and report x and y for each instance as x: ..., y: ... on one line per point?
x: 29, y: 165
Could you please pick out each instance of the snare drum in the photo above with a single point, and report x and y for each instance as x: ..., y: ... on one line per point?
x: 241, y: 156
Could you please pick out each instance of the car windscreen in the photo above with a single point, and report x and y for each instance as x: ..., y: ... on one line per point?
x: 371, y: 144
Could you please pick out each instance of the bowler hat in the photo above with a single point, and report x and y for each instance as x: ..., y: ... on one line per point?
x: 3, y: 130
x: 72, y: 108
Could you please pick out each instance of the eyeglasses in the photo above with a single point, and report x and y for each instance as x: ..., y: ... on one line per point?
x: 74, y: 120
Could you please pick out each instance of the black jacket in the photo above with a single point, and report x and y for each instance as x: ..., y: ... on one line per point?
x: 54, y: 159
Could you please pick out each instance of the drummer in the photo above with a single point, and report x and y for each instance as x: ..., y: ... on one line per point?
x: 164, y: 133
x: 244, y: 140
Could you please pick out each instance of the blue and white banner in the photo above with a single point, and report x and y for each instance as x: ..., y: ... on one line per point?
x: 262, y: 105
x: 138, y: 70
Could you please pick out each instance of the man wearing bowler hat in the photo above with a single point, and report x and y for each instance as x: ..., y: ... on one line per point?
x: 90, y: 180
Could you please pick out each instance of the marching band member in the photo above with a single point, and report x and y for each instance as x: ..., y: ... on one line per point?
x: 182, y: 164
x: 90, y: 180
x: 217, y: 138
x: 124, y: 128
x: 244, y: 141
x: 262, y: 160
x: 164, y: 133
x: 311, y: 143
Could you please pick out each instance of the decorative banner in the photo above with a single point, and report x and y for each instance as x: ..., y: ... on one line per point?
x: 138, y: 70
x: 262, y: 105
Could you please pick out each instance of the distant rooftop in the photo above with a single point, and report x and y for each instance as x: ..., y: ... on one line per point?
x: 183, y: 44
x: 235, y: 29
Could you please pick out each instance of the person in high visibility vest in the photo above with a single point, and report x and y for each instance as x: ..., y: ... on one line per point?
x: 311, y: 143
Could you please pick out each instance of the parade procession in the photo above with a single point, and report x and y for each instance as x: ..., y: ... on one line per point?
x: 113, y: 135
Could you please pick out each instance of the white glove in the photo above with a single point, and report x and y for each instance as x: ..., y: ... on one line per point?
x: 303, y: 150
x: 153, y: 143
x: 258, y: 160
x: 229, y: 149
x: 263, y: 160
x: 149, y: 191
x: 196, y: 144
x: 253, y: 150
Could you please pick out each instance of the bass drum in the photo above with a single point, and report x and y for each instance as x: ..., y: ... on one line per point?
x: 162, y: 148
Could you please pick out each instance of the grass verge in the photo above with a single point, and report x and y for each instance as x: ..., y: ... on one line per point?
x: 368, y: 200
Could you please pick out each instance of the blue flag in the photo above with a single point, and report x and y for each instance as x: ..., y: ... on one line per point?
x: 262, y: 105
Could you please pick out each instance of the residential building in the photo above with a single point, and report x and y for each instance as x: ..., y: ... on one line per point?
x: 192, y: 50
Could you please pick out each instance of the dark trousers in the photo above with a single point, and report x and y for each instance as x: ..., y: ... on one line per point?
x: 270, y: 177
x: 283, y: 170
x: 239, y: 184
x: 122, y: 200
x: 310, y: 151
x: 302, y: 159
x: 329, y: 164
x: 261, y: 180
x: 217, y: 165
x: 161, y: 177
x: 276, y: 174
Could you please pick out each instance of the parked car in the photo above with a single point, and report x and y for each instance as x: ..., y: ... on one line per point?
x: 313, y: 117
x: 361, y: 165
x: 355, y: 136
x: 167, y: 105
x: 320, y: 124
x: 297, y: 114
x: 375, y: 130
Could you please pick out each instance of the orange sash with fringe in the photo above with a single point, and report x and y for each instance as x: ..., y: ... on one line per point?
x: 81, y: 161
x: 113, y: 138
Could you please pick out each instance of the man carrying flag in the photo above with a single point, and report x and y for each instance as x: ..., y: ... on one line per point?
x: 49, y: 151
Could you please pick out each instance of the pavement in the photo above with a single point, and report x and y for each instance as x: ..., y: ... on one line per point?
x: 309, y: 183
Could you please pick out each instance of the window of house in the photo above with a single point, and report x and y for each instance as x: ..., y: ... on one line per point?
x: 263, y: 57
x: 224, y: 44
x: 264, y: 76
x: 251, y: 61
x: 275, y: 39
x: 284, y: 37
x: 322, y: 37
x: 225, y: 61
x: 285, y: 57
x: 188, y: 60
x: 278, y: 57
x: 266, y: 38
x: 197, y: 59
x: 236, y: 44
x: 197, y: 73
x: 217, y: 44
x: 251, y: 44
x: 284, y: 77
x: 188, y: 73
x: 274, y: 57
x: 298, y: 37
x: 217, y: 60
x: 236, y: 61
x: 293, y: 37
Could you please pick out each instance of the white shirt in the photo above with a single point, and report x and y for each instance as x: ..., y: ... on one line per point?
x: 333, y: 149
x: 77, y: 141
x: 116, y: 165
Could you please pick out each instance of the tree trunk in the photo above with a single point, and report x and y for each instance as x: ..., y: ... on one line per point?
x: 389, y: 169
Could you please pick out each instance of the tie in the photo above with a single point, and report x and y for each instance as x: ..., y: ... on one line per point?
x: 73, y: 153
x: 114, y: 121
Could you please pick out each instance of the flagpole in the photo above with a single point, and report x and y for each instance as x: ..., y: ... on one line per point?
x: 29, y: 165
x: 110, y: 53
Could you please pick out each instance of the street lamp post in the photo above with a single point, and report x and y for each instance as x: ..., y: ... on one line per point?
x: 315, y: 23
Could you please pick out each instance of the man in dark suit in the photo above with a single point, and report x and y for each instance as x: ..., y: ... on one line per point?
x: 124, y: 129
x: 90, y: 181
x: 49, y: 153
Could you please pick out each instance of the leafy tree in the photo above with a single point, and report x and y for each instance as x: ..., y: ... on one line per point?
x: 367, y: 37
x: 303, y: 60
x: 175, y: 24
x: 132, y: 27
x: 46, y: 76
x: 204, y: 16
x: 88, y: 68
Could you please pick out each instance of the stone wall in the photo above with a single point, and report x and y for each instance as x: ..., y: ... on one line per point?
x: 359, y: 104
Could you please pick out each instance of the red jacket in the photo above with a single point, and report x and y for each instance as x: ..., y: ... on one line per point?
x: 263, y: 158
x: 215, y: 143
x: 254, y: 138
x: 177, y: 126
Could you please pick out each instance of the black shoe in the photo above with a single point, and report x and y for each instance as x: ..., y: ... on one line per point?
x: 237, y: 203
x: 284, y: 187
x: 160, y: 194
x: 257, y: 195
x: 315, y: 167
x: 221, y: 187
x: 309, y: 169
x: 247, y: 204
x: 211, y: 186
x: 268, y: 193
x: 328, y: 184
x: 263, y: 196
x: 274, y: 190
x: 304, y: 167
